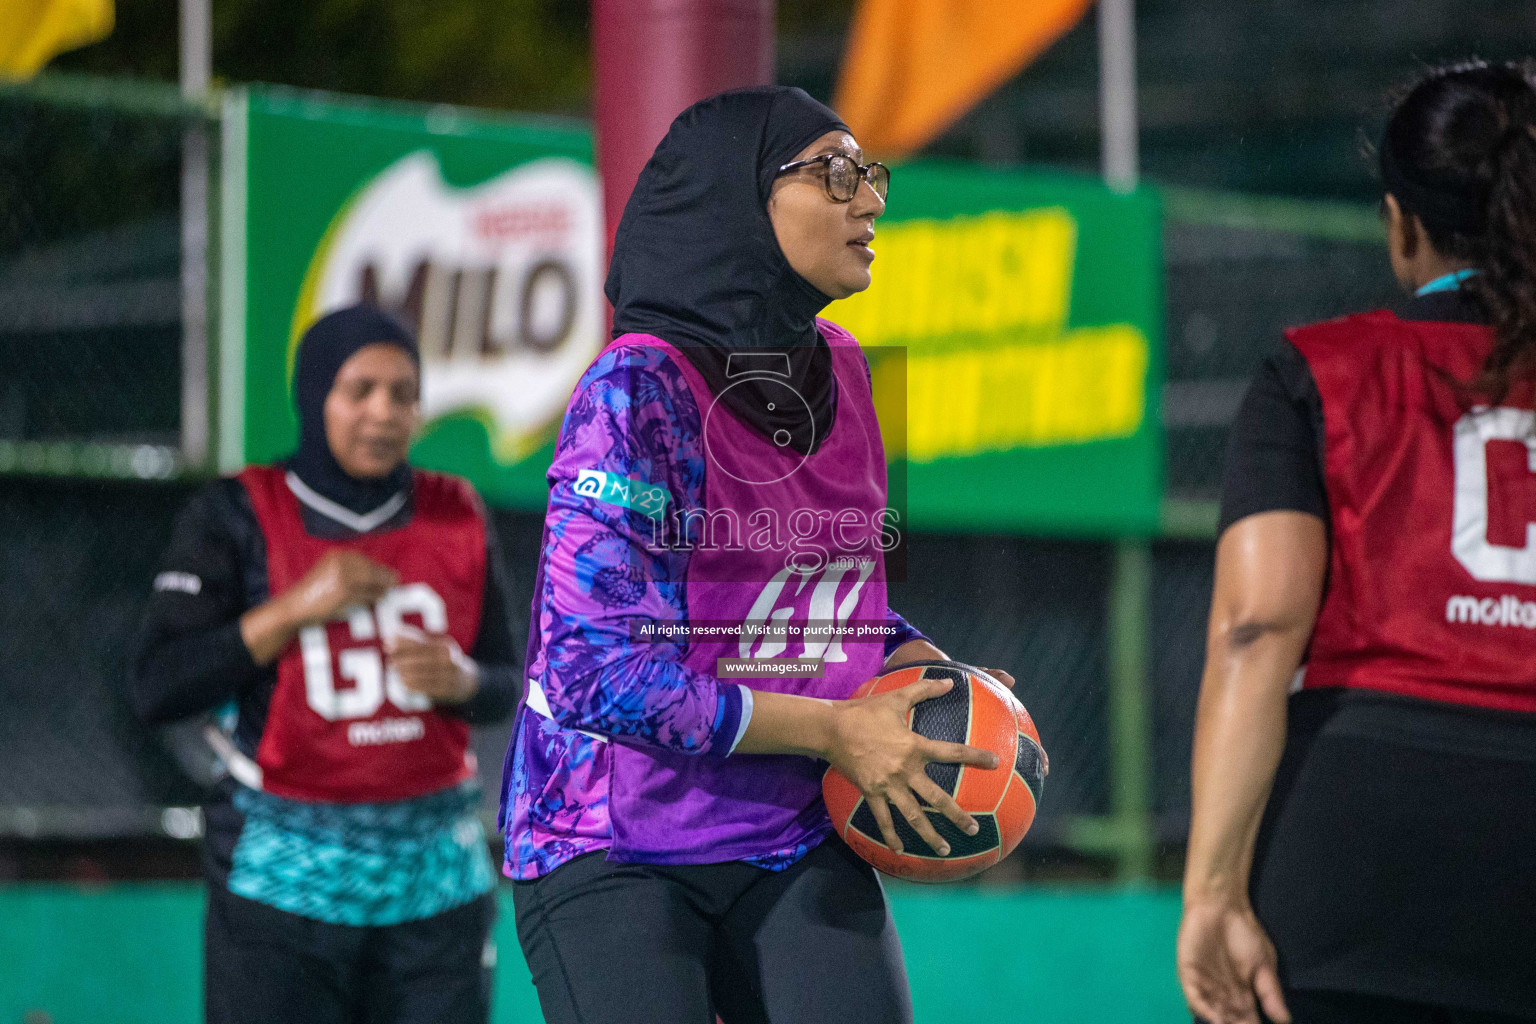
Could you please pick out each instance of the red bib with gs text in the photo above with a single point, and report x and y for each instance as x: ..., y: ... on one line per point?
x: 341, y: 726
x: 1432, y: 575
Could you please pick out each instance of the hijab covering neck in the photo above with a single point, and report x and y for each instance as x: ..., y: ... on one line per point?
x: 329, y: 343
x: 695, y: 260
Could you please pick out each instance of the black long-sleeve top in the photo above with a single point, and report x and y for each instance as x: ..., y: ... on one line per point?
x: 189, y: 657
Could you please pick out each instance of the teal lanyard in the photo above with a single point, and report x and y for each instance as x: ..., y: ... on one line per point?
x: 1446, y: 282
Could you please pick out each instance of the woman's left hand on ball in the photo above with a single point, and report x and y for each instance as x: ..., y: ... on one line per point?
x: 1000, y: 676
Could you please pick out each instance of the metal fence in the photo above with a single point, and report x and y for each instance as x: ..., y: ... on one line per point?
x: 1105, y: 638
x: 90, y: 264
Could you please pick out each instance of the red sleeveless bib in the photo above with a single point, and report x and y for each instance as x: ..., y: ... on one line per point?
x: 341, y: 727
x: 1432, y: 576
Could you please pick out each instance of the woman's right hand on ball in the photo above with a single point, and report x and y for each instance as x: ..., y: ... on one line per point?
x: 339, y: 580
x: 875, y: 748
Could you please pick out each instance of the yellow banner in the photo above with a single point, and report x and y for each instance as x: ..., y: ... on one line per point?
x: 33, y: 32
x: 935, y: 280
x: 981, y: 305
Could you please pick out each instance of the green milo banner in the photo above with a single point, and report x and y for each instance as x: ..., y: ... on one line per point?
x: 485, y: 234
x: 1014, y: 326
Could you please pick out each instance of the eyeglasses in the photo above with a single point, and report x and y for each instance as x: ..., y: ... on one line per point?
x: 844, y: 175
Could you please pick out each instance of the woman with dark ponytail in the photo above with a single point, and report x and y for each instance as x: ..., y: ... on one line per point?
x: 1460, y: 156
x: 1363, y: 838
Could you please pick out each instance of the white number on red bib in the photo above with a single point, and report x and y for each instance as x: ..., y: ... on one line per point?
x: 1491, y: 563
x: 363, y: 667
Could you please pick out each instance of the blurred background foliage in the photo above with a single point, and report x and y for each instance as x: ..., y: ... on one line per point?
x: 515, y: 54
x: 1274, y: 97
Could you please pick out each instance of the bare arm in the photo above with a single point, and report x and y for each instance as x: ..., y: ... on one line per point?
x: 1269, y: 583
x: 803, y: 725
x: 913, y: 650
x: 341, y: 578
x: 922, y: 650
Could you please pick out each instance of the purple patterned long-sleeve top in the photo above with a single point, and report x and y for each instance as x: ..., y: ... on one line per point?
x: 589, y: 683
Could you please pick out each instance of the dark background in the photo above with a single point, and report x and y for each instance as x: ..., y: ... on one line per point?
x: 1267, y: 97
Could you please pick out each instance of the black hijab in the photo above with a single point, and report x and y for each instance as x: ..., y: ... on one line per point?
x: 695, y: 261
x: 330, y: 342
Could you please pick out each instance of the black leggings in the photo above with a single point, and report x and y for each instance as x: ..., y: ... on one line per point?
x: 1395, y: 854
x: 612, y: 943
x: 265, y: 966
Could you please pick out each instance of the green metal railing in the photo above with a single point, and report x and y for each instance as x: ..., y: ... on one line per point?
x: 115, y: 95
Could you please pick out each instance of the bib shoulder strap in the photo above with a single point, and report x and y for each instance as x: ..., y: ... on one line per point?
x: 268, y: 491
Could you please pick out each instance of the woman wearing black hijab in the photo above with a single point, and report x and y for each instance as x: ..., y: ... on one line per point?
x: 326, y: 606
x: 718, y: 490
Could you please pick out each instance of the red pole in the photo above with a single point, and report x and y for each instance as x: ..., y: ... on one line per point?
x: 651, y: 59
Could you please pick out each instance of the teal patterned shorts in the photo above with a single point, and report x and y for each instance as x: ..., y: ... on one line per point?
x: 362, y: 864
